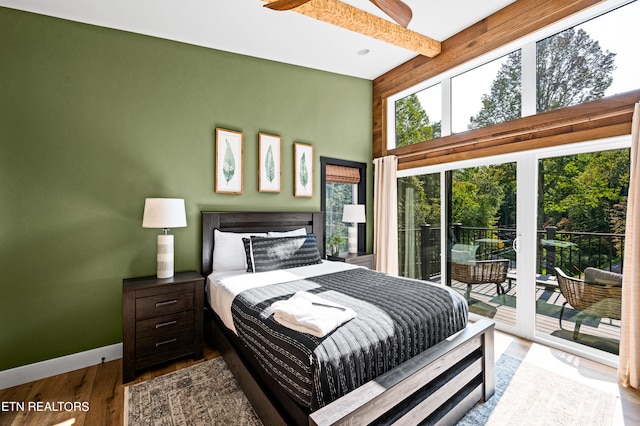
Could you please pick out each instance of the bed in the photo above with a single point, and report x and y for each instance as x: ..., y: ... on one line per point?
x: 433, y: 369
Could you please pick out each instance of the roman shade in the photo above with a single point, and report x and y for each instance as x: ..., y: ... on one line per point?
x: 342, y: 174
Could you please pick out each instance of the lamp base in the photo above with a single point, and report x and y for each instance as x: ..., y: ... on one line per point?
x: 353, y: 239
x: 165, y: 256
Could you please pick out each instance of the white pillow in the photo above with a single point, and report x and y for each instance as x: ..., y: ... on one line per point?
x: 228, y: 250
x: 294, y: 233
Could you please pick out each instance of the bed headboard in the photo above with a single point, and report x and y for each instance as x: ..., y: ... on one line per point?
x: 257, y: 222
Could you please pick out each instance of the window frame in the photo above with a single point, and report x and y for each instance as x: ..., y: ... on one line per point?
x: 361, y: 192
x: 526, y: 44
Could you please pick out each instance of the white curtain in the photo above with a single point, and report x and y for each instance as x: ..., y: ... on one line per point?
x: 629, y: 368
x: 409, y: 234
x: 385, y: 214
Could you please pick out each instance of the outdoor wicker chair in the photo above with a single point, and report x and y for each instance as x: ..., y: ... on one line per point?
x: 481, y: 272
x: 598, y: 295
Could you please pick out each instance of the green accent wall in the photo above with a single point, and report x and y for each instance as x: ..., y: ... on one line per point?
x: 93, y: 121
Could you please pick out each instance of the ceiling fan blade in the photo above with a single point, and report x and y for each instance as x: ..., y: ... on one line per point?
x: 396, y: 9
x: 285, y: 4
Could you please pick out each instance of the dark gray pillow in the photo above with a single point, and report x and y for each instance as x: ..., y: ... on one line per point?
x: 269, y: 254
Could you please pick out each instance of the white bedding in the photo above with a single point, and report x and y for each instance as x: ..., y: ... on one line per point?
x: 223, y: 286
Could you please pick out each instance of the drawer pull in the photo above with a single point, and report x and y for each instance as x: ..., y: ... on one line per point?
x: 164, y: 324
x: 166, y: 341
x: 168, y: 302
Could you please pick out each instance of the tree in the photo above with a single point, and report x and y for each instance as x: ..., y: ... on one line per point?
x: 586, y: 192
x: 571, y: 69
x: 504, y: 103
x: 477, y: 196
x: 412, y: 126
x: 337, y: 195
x: 412, y: 122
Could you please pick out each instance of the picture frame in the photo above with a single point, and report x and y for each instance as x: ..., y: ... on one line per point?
x: 229, y: 161
x: 270, y: 163
x: 303, y: 170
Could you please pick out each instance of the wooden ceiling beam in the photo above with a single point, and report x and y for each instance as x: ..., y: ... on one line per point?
x: 351, y: 18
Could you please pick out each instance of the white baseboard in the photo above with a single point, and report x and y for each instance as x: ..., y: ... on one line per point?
x: 51, y: 367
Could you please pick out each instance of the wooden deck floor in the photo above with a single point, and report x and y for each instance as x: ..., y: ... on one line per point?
x: 601, y: 333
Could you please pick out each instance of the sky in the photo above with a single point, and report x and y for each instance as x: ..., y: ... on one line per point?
x: 614, y: 31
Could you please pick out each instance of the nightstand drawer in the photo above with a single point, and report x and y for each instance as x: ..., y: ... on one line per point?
x: 163, y: 304
x: 165, y: 342
x: 165, y: 324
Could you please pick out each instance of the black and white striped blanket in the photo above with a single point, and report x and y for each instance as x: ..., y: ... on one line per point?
x: 397, y: 318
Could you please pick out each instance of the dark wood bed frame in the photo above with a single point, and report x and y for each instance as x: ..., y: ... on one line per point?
x: 440, y: 385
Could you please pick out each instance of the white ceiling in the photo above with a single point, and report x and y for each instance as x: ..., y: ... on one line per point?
x: 246, y: 27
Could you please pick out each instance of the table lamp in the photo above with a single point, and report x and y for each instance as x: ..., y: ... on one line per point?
x: 164, y: 213
x: 354, y: 214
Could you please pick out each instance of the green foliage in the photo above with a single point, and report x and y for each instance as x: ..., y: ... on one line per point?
x: 337, y: 195
x: 412, y: 122
x: 504, y: 103
x: 336, y: 240
x: 585, y: 192
x: 426, y: 199
x: 229, y: 163
x: 477, y: 196
x: 571, y: 69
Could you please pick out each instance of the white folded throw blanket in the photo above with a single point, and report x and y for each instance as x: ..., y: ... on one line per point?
x: 308, y: 313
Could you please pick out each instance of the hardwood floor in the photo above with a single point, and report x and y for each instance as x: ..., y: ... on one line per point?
x: 100, y: 387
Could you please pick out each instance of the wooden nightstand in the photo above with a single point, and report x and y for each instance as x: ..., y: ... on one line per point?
x: 360, y: 259
x: 162, y: 319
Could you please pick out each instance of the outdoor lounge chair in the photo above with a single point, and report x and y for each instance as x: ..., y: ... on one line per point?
x: 469, y: 271
x: 598, y: 295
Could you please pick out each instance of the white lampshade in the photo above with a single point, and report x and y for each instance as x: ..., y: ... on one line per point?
x: 164, y: 213
x: 354, y: 213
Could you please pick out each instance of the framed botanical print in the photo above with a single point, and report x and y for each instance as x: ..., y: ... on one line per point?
x: 303, y: 170
x: 229, y: 161
x: 270, y: 163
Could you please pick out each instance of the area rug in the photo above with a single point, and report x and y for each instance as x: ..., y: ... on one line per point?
x: 529, y: 395
x: 202, y: 394
x: 505, y: 369
x: 207, y: 394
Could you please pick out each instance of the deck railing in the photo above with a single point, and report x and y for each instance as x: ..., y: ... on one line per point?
x: 571, y: 251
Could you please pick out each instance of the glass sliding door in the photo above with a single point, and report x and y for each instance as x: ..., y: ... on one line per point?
x: 419, y: 227
x: 533, y: 240
x: 482, y: 228
x: 580, y: 247
x: 457, y: 227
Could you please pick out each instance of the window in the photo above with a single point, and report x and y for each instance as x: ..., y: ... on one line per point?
x: 486, y: 95
x: 589, y: 56
x: 342, y: 182
x: 588, y: 61
x: 419, y: 116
